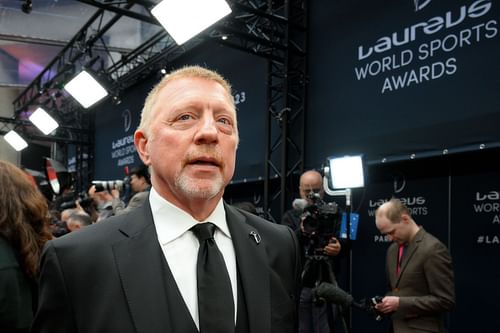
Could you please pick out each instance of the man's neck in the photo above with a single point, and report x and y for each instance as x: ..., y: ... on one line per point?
x: 201, y: 209
x: 198, y: 208
x: 415, y: 229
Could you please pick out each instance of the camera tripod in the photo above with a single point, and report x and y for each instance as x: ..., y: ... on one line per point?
x: 320, y: 268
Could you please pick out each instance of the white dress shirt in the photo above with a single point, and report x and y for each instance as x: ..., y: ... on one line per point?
x: 180, y: 247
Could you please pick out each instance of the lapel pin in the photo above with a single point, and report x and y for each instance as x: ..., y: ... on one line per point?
x: 256, y: 236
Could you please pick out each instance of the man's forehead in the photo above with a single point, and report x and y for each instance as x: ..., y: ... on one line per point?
x: 195, y: 81
x: 311, y: 185
x: 310, y: 182
x: 384, y: 225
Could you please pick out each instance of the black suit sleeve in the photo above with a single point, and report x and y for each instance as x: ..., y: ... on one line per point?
x: 54, y: 314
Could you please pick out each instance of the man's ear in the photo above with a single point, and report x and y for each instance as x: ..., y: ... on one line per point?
x: 141, y: 145
x: 405, y: 218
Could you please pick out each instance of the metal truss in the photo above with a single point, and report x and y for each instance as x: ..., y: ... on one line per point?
x: 275, y: 30
x: 287, y: 82
x: 64, y: 134
x: 252, y: 27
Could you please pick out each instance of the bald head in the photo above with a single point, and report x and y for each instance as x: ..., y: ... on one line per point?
x: 311, y: 181
x: 394, y: 219
x: 393, y: 210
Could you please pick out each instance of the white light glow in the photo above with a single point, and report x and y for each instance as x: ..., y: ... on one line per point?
x: 43, y: 121
x: 183, y: 19
x: 15, y: 140
x: 347, y: 172
x: 85, y: 89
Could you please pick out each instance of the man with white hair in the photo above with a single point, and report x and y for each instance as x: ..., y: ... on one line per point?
x: 141, y: 271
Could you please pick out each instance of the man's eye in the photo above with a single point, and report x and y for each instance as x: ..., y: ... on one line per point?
x: 185, y: 117
x: 225, y: 121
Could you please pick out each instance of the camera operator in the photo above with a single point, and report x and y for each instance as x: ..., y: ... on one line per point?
x: 140, y: 184
x: 319, y: 251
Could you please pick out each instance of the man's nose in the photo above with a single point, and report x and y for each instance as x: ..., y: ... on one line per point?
x: 207, y: 133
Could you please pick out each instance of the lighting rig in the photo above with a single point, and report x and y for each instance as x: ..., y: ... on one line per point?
x: 276, y: 31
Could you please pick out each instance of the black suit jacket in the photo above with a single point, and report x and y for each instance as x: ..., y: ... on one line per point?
x: 113, y: 277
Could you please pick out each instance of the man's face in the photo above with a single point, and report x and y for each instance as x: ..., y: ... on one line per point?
x: 397, y: 232
x: 136, y: 183
x: 192, y: 140
x: 311, y: 183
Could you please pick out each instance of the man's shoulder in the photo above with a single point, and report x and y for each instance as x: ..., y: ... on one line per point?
x: 140, y: 196
x: 264, y: 227
x: 425, y: 237
x: 431, y: 243
x: 294, y: 213
x: 98, y: 233
x: 291, y: 218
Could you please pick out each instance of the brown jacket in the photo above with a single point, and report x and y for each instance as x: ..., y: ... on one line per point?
x: 425, y: 284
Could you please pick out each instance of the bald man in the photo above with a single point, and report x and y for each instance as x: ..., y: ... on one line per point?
x: 310, y: 181
x: 313, y: 317
x: 419, y: 271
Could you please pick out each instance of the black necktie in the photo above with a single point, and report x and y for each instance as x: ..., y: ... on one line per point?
x: 215, y: 296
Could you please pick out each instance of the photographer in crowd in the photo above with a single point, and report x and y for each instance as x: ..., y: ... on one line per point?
x: 316, y: 224
x: 419, y: 271
x: 102, y: 201
x: 140, y: 184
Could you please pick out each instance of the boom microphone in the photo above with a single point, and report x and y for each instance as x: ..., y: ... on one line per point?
x: 300, y: 204
x: 333, y: 294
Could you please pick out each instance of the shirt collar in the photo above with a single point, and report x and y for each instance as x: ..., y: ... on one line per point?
x: 171, y: 222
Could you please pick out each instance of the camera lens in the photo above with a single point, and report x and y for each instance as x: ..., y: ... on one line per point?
x: 99, y: 187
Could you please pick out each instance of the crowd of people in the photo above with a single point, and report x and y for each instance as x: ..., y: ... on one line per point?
x: 70, y: 213
x: 98, y: 264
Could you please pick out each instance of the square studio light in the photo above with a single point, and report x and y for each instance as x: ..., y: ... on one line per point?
x: 43, y: 121
x: 15, y: 140
x: 183, y: 19
x: 85, y: 89
x: 346, y: 172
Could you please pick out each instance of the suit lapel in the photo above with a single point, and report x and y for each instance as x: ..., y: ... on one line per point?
x: 139, y: 260
x: 410, y: 251
x: 252, y: 266
x: 391, y: 264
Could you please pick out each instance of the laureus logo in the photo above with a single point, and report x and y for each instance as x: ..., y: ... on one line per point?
x: 127, y: 119
x: 419, y: 4
x: 399, y: 183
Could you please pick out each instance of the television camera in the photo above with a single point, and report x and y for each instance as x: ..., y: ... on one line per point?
x: 320, y: 222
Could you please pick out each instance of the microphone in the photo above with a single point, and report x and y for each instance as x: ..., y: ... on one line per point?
x: 330, y: 293
x: 333, y: 294
x: 300, y: 204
